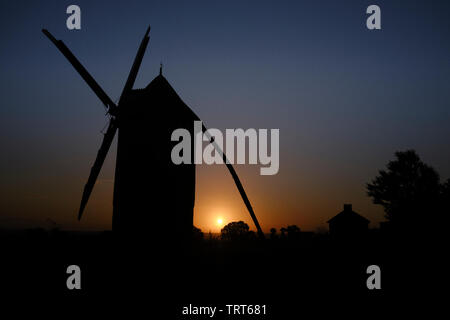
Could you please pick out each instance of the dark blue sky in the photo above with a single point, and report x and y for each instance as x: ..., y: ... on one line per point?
x: 344, y: 98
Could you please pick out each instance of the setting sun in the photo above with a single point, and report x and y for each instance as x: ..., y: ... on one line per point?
x: 219, y: 222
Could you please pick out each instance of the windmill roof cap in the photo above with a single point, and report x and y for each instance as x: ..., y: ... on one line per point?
x: 165, y: 100
x: 159, y: 80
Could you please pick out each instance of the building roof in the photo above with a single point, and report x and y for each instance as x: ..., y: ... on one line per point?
x: 348, y: 214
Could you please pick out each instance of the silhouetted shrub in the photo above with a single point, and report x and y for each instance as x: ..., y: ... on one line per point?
x: 293, y: 232
x: 197, y: 233
x: 273, y: 234
x: 235, y: 231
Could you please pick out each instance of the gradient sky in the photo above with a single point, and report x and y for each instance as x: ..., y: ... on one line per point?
x: 344, y: 98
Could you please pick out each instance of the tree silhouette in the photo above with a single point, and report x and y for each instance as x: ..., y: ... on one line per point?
x: 293, y: 232
x: 283, y: 233
x: 273, y: 234
x: 235, y: 231
x: 445, y: 192
x: 408, y: 190
x: 444, y: 203
x: 197, y: 233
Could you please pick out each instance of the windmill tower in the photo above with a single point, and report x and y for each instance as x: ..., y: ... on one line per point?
x: 152, y: 195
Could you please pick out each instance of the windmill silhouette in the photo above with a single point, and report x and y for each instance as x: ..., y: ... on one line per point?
x: 149, y: 189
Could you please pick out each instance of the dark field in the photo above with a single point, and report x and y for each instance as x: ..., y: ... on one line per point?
x: 281, y: 273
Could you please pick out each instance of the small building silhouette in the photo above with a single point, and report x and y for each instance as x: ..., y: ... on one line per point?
x: 348, y: 223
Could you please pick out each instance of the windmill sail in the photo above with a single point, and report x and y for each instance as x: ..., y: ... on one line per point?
x: 95, y: 170
x: 237, y: 182
x: 83, y: 72
x: 135, y: 67
x: 112, y: 128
